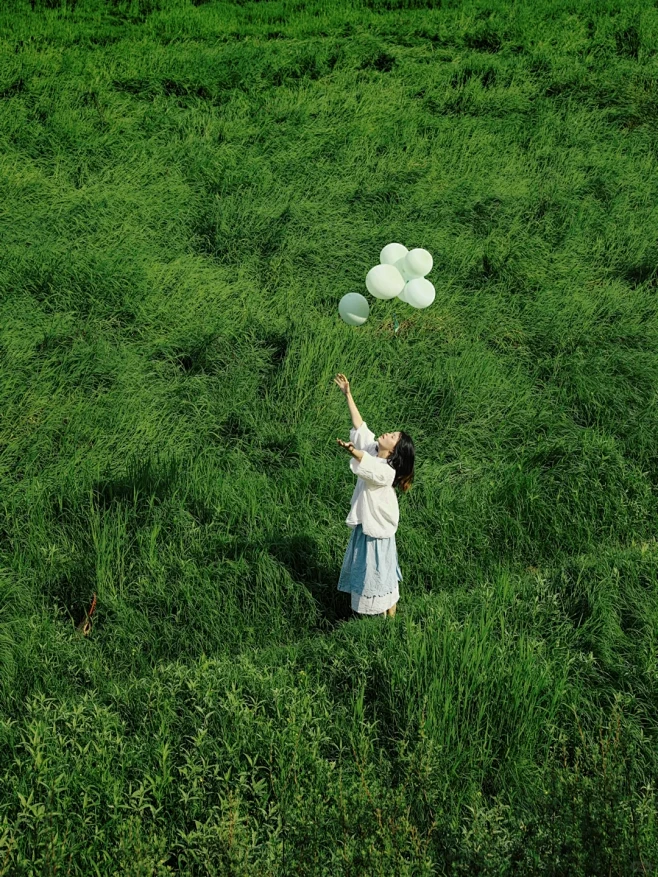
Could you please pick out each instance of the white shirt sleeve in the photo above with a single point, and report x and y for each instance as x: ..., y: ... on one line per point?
x: 375, y: 472
x: 363, y: 439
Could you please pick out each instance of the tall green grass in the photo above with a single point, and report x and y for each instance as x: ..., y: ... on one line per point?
x: 187, y: 189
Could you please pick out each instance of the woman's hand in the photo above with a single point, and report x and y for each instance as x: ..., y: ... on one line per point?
x: 350, y: 447
x: 343, y: 383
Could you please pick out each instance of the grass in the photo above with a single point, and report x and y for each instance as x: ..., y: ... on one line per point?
x: 187, y: 189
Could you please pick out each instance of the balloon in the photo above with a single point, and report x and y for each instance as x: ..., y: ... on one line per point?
x: 392, y: 253
x: 402, y: 268
x: 418, y: 263
x: 384, y: 281
x: 354, y: 308
x: 419, y: 293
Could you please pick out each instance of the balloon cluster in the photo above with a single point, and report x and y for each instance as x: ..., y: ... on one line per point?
x: 400, y: 274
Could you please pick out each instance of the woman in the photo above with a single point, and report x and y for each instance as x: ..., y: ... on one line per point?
x: 370, y: 571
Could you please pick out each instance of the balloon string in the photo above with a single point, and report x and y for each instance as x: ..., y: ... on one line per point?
x: 397, y: 325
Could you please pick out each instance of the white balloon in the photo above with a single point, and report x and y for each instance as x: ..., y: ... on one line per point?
x: 384, y: 281
x: 354, y: 308
x: 402, y: 268
x: 392, y: 253
x: 418, y: 263
x: 419, y: 293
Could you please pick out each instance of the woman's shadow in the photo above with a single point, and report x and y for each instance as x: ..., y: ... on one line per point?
x: 301, y: 558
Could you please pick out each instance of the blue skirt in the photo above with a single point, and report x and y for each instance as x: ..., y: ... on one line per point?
x: 370, y: 573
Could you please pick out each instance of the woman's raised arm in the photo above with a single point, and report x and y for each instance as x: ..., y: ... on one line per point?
x: 344, y: 385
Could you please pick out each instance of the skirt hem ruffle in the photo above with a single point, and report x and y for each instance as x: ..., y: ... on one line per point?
x: 374, y: 605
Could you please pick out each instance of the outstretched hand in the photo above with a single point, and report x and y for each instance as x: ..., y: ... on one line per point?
x: 342, y: 383
x: 347, y: 445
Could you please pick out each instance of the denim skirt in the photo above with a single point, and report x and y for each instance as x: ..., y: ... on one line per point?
x: 370, y: 573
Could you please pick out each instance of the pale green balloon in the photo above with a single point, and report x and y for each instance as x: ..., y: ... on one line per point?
x: 392, y: 253
x: 419, y: 293
x: 354, y: 308
x: 418, y: 263
x: 401, y: 265
x: 384, y: 281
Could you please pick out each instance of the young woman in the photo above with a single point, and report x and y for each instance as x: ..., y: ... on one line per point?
x: 370, y: 571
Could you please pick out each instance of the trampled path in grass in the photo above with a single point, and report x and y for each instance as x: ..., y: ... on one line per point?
x: 186, y: 192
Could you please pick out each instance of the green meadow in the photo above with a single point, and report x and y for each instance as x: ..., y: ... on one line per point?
x: 187, y: 189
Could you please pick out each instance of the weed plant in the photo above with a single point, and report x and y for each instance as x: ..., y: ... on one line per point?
x: 188, y: 188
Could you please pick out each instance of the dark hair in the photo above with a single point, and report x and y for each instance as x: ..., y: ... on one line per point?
x: 402, y: 460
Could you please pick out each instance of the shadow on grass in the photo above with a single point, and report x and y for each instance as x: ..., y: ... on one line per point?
x: 71, y: 593
x: 301, y: 558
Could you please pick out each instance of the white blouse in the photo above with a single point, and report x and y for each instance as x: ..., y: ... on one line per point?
x: 374, y: 503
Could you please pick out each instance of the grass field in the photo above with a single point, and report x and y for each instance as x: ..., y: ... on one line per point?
x: 187, y: 189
